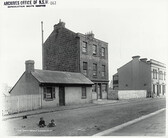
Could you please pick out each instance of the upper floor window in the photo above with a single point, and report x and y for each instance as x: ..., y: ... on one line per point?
x: 85, y: 68
x: 160, y: 75
x: 164, y: 75
x: 94, y: 49
x: 49, y: 93
x: 103, y: 70
x: 84, y: 47
x: 94, y: 69
x: 115, y: 77
x: 154, y: 74
x: 103, y: 52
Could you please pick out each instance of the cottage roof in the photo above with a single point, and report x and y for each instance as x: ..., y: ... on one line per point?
x: 60, y: 77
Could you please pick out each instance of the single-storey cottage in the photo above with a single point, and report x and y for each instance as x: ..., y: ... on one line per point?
x: 55, y: 88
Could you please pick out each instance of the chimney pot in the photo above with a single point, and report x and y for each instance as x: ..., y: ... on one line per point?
x: 29, y: 66
x: 135, y: 57
x: 144, y: 59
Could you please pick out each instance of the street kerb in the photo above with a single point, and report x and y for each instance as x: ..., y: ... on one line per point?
x: 113, y: 129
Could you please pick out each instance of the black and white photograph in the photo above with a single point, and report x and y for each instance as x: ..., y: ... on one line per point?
x: 83, y: 67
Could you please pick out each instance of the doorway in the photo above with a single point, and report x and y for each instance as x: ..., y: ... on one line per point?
x: 61, y: 95
x: 99, y: 92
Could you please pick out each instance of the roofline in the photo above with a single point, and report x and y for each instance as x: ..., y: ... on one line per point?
x: 17, y: 82
x: 80, y: 34
x: 124, y: 65
x: 65, y: 84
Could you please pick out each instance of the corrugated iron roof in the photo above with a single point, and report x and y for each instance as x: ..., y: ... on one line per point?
x: 60, y: 77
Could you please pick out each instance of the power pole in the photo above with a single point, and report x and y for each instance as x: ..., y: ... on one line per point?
x: 42, y: 44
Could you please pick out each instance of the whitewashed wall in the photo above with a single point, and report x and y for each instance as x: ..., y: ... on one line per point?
x: 130, y: 94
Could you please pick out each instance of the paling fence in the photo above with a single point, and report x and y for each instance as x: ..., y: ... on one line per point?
x: 16, y: 104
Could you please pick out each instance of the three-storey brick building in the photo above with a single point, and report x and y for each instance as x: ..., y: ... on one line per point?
x: 65, y: 50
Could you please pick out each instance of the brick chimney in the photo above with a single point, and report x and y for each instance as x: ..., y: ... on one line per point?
x: 29, y: 66
x: 135, y: 57
x: 59, y: 25
x: 90, y: 34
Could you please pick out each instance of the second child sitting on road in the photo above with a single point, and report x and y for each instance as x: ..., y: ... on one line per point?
x: 52, y: 123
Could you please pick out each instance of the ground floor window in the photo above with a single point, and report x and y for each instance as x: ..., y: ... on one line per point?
x: 49, y: 93
x: 154, y: 89
x: 84, y: 95
x: 94, y: 88
x: 164, y: 89
x: 104, y: 87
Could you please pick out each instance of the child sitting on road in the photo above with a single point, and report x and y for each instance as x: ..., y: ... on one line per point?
x: 52, y: 123
x: 41, y: 122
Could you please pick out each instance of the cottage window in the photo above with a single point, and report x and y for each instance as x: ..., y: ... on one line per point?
x: 103, y: 70
x: 49, y: 93
x: 85, y: 68
x: 84, y: 47
x: 103, y: 52
x: 94, y: 70
x: 94, y: 49
x: 84, y: 93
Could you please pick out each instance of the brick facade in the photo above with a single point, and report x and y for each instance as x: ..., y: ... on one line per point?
x: 63, y: 51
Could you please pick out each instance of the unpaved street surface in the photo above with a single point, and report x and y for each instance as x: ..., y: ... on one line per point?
x: 152, y: 126
x: 84, y: 121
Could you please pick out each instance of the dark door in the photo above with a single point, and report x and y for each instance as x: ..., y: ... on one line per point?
x: 158, y: 90
x: 99, y: 92
x: 61, y: 96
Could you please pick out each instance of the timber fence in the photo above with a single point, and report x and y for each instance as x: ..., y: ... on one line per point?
x: 17, y: 104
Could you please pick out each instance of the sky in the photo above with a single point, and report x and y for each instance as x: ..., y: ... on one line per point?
x: 130, y: 27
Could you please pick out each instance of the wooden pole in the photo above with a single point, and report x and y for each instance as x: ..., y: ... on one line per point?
x: 42, y: 44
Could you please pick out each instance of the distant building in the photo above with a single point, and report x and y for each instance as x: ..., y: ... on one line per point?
x: 4, y: 89
x: 54, y: 87
x: 65, y: 50
x: 140, y: 74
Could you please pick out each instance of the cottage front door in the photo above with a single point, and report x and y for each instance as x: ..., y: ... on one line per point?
x: 61, y: 95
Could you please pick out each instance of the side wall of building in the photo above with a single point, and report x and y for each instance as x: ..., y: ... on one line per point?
x: 61, y: 52
x: 125, y: 77
x: 26, y: 85
x: 145, y: 77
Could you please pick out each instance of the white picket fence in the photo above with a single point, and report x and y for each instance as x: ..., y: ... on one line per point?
x: 16, y: 104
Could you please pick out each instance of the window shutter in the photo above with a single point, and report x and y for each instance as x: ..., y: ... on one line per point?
x: 53, y: 92
x: 45, y: 90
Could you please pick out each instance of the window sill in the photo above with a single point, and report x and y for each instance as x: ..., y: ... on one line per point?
x: 83, y: 97
x: 48, y: 99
